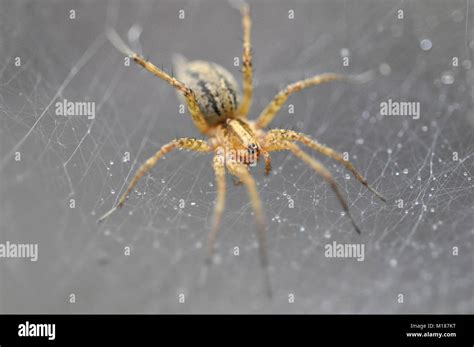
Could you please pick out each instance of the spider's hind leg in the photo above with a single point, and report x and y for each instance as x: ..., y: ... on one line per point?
x: 247, y: 68
x: 190, y: 97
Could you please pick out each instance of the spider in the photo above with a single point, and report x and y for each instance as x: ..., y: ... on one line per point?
x: 221, y: 114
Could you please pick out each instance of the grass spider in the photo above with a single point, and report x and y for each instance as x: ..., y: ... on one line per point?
x: 221, y: 114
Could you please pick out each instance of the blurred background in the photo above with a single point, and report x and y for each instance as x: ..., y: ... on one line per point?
x: 66, y: 161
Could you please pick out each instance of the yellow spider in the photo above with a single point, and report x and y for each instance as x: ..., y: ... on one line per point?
x: 212, y: 96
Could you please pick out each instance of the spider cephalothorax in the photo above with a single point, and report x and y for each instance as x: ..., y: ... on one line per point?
x: 213, y: 99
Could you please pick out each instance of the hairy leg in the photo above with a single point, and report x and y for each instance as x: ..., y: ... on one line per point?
x: 184, y: 143
x: 269, y: 113
x: 277, y: 135
x: 188, y: 94
x: 241, y: 171
x: 247, y: 68
x: 219, y: 171
x: 320, y: 169
x: 268, y: 161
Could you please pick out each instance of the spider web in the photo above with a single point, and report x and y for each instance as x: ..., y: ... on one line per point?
x: 408, y: 249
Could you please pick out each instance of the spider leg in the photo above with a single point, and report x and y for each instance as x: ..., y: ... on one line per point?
x: 319, y: 168
x: 247, y: 69
x: 241, y: 171
x: 290, y: 135
x: 183, y: 143
x: 219, y: 171
x: 268, y: 161
x: 193, y: 106
x: 271, y: 110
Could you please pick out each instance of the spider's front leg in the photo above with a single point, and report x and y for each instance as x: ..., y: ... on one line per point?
x: 271, y: 110
x: 280, y: 135
x: 184, y: 143
x: 241, y: 171
x: 279, y: 145
x: 219, y: 172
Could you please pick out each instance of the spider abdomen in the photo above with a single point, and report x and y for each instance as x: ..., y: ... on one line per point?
x: 216, y: 90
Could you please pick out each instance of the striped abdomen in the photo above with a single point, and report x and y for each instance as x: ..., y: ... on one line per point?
x: 215, y: 88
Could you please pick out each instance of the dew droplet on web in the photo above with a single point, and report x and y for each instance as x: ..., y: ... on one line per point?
x: 302, y: 229
x: 112, y: 192
x: 405, y: 171
x: 111, y: 163
x: 447, y: 77
x: 424, y: 128
x: 393, y: 262
x: 385, y: 69
x: 327, y: 234
x: 426, y: 44
x: 360, y: 141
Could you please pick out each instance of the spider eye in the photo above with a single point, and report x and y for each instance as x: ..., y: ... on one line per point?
x: 252, y: 148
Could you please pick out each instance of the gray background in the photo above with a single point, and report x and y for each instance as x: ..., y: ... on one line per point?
x: 408, y: 250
